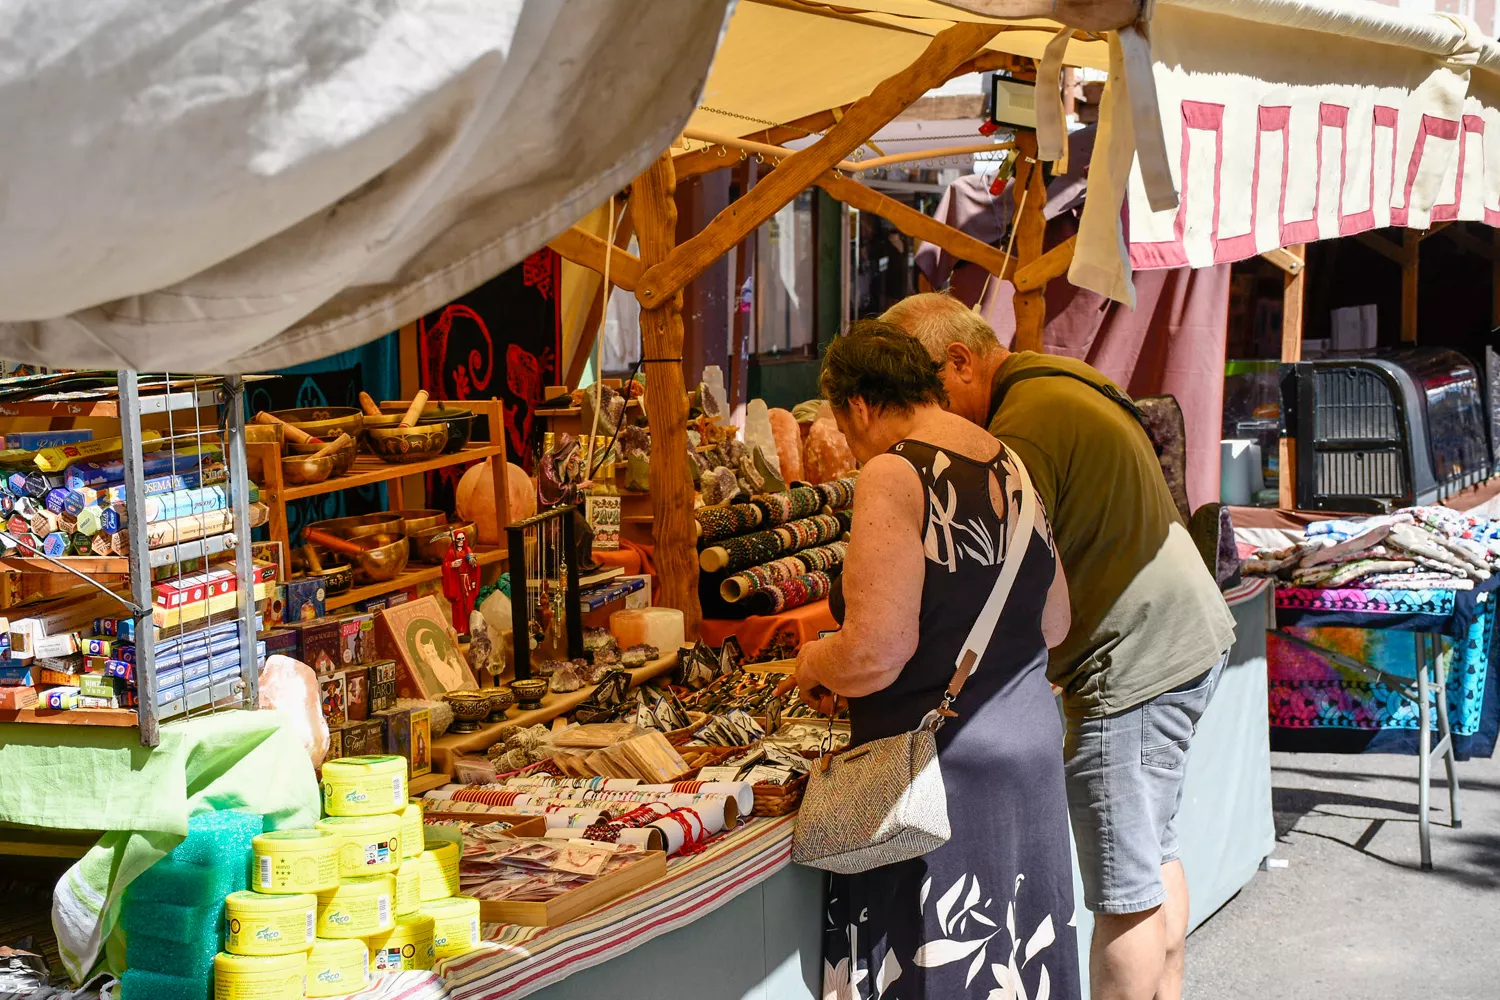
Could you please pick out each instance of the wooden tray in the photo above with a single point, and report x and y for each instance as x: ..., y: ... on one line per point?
x: 577, y: 902
x: 778, y: 800
x: 520, y: 826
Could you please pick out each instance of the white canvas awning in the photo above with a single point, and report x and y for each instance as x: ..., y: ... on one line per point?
x: 1288, y: 121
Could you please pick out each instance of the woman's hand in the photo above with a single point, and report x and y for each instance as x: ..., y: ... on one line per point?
x: 812, y: 694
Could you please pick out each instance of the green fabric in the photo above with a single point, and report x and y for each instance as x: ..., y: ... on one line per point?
x: 1146, y: 613
x: 99, y: 778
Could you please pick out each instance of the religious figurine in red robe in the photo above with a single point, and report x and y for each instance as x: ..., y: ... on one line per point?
x: 460, y: 580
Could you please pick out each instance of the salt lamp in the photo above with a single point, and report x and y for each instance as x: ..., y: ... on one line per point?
x: 476, y: 499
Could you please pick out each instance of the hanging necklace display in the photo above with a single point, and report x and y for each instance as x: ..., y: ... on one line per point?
x: 539, y: 550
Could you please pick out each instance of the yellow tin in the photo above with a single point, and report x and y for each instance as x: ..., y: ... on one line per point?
x: 364, y: 786
x: 455, y: 925
x: 259, y: 924
x: 337, y: 966
x: 358, y: 908
x: 439, y: 867
x: 295, y: 861
x: 371, y: 845
x: 260, y: 977
x: 405, y: 948
x: 411, y: 829
x: 409, y: 886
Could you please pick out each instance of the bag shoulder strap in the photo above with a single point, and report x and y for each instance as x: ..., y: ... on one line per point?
x: 1107, y: 389
x: 983, y: 630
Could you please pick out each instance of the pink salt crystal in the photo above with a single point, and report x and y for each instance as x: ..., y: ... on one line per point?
x: 788, y: 438
x: 826, y: 456
x: 291, y: 686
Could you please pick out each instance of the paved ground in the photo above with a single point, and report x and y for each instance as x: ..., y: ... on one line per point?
x: 1353, y: 917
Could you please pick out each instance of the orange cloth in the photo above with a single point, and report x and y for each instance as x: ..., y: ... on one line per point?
x: 757, y: 631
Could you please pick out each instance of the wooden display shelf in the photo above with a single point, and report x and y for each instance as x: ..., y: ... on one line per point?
x: 72, y: 716
x: 576, y: 902
x: 412, y: 577
x: 427, y: 782
x: 368, y: 469
x: 40, y: 842
x: 445, y: 748
x: 93, y: 565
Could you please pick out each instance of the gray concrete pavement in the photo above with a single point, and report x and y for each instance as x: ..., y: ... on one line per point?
x: 1353, y: 916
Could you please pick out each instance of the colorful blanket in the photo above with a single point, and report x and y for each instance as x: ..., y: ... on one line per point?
x: 1316, y: 707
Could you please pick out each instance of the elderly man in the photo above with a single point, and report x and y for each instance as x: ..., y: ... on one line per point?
x: 1149, y: 637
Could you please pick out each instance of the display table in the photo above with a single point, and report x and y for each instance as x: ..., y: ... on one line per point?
x: 757, y: 631
x: 736, y: 920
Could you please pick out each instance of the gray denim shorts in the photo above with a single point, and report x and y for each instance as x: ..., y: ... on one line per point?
x: 1124, y: 775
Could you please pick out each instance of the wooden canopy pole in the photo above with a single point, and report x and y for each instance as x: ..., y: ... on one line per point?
x: 1294, y: 280
x: 654, y: 194
x: 1030, y: 195
x: 1052, y: 264
x: 587, y: 250
x: 948, y: 49
x: 915, y: 224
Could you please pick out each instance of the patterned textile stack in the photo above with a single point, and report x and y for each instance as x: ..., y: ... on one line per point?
x: 1417, y: 548
x: 777, y: 552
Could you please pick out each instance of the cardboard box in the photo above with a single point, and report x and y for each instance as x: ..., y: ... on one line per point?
x: 363, y: 738
x: 16, y: 698
x: 281, y: 641
x: 335, y: 743
x: 357, y: 683
x: 357, y: 639
x: 95, y: 686
x: 408, y: 733
x: 333, y: 692
x: 318, y: 644
x: 304, y: 600
x: 382, y: 685
x: 418, y: 636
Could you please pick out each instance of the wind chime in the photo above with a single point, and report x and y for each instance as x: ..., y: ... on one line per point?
x: 544, y: 586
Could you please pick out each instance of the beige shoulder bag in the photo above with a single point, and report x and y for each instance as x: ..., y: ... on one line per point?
x: 884, y: 801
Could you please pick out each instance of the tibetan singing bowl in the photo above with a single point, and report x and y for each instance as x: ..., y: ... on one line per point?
x: 422, y: 520
x: 362, y: 524
x: 400, y: 445
x: 342, y: 459
x: 305, y: 470
x: 460, y: 421
x: 336, y: 579
x: 500, y: 700
x: 255, y: 466
x: 382, y: 557
x: 325, y: 422
x: 431, y: 545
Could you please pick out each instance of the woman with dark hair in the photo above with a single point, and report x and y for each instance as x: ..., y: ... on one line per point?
x: 936, y: 518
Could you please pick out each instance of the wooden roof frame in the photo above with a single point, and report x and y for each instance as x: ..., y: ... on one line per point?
x: 665, y: 266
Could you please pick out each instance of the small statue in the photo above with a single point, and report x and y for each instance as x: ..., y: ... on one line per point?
x: 461, y: 580
x: 481, y: 646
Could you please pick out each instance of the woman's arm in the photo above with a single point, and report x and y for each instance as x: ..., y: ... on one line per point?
x: 883, y: 576
x: 1057, y: 614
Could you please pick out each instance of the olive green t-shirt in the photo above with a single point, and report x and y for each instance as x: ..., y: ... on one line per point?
x: 1147, y: 615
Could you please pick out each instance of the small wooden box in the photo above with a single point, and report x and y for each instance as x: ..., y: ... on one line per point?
x: 575, y: 903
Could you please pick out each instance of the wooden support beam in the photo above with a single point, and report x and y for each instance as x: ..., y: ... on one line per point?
x: 1411, y: 243
x: 1468, y: 241
x: 1052, y: 264
x: 654, y: 197
x: 587, y: 250
x: 915, y: 224
x: 1293, y: 285
x: 624, y: 229
x: 1030, y: 194
x: 705, y: 161
x: 864, y: 118
x: 1382, y: 246
x: 1432, y: 230
x: 1284, y: 259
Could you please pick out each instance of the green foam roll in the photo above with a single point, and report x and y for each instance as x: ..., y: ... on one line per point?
x: 142, y: 984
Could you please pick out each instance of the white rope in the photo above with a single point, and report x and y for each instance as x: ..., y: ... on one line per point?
x: 609, y: 253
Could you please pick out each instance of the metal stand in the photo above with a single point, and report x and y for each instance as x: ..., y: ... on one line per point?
x: 520, y: 629
x: 1428, y: 649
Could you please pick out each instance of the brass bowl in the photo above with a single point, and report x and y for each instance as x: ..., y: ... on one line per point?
x: 460, y: 421
x: 402, y: 445
x: 431, y: 545
x: 255, y: 466
x: 361, y: 524
x: 501, y: 699
x: 304, y: 470
x: 384, y: 558
x: 336, y: 579
x: 417, y: 521
x: 325, y: 421
x: 342, y: 459
x: 470, y: 708
x: 529, y: 693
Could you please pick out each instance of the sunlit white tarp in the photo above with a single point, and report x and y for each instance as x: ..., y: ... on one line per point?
x: 207, y: 185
